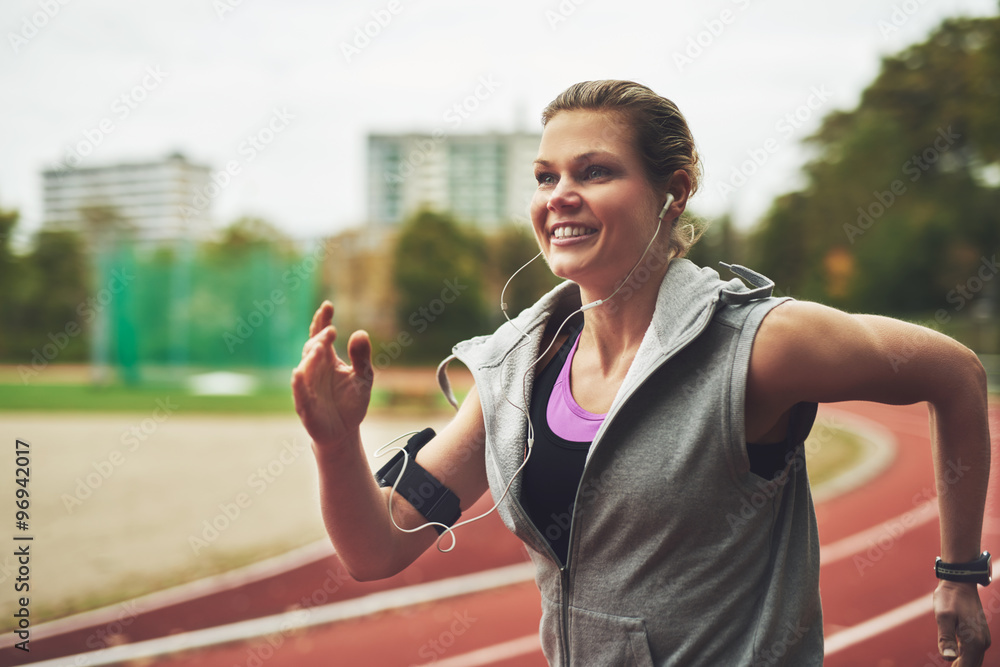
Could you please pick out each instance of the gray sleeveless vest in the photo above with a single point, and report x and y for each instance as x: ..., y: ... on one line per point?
x: 678, y: 554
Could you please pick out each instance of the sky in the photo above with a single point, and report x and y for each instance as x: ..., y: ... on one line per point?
x: 100, y: 81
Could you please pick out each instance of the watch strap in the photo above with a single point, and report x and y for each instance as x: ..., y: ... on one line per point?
x: 978, y: 571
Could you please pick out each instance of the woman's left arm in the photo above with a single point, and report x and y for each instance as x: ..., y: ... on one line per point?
x: 807, y: 352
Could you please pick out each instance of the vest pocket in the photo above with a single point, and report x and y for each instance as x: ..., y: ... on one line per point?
x: 602, y: 639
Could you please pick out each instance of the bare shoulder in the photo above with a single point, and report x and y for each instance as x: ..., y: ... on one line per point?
x: 800, y: 349
x: 809, y: 352
x: 795, y: 332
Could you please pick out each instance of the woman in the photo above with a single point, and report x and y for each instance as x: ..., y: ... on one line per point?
x: 667, y: 400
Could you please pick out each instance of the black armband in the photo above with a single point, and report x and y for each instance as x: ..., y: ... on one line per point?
x: 435, y: 501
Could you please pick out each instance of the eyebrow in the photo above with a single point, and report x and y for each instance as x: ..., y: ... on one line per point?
x: 582, y: 157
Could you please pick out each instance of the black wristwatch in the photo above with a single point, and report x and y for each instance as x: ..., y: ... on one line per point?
x: 979, y: 571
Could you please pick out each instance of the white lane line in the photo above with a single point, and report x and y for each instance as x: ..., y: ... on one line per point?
x: 192, y: 590
x: 280, y: 624
x: 882, y: 623
x: 890, y: 530
x: 488, y: 655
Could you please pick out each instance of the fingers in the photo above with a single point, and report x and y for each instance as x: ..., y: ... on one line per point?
x: 963, y: 632
x: 947, y: 623
x: 321, y: 319
x: 325, y: 338
x: 359, y: 349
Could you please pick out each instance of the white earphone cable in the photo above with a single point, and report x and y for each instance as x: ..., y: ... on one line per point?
x: 381, y: 451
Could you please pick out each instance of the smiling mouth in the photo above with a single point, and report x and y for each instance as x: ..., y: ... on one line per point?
x: 572, y: 231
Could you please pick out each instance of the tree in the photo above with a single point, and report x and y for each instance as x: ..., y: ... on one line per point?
x: 11, y: 283
x: 247, y: 235
x: 510, y: 249
x: 719, y: 242
x: 440, y: 271
x: 42, y: 295
x: 900, y: 202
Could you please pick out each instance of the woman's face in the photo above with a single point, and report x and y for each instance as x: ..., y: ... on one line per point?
x: 594, y: 210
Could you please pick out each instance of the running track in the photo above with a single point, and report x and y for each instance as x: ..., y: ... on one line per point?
x: 879, y: 543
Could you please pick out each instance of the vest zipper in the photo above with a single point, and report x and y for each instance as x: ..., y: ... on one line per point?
x: 540, y: 539
x: 564, y: 635
x: 563, y: 574
x: 564, y: 569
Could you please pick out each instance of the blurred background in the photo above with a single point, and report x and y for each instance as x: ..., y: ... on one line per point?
x: 182, y: 183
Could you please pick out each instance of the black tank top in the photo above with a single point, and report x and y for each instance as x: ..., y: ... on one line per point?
x: 553, y: 472
x: 552, y: 475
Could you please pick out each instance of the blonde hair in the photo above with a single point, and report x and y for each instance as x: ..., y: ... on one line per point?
x: 658, y: 130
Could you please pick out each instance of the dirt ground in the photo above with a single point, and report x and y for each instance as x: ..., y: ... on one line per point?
x: 125, y: 504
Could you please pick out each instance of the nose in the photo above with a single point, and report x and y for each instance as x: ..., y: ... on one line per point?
x: 563, y: 196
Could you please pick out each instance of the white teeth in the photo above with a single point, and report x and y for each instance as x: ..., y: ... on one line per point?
x: 564, y: 232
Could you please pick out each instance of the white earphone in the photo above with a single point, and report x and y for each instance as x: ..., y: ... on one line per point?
x: 381, y: 451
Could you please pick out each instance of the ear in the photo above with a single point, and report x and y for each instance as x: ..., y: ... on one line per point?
x: 679, y: 185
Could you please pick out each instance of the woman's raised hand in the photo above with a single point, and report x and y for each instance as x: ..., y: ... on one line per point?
x: 331, y: 397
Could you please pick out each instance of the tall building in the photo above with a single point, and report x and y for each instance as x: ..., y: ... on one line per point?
x: 159, y: 200
x: 483, y: 179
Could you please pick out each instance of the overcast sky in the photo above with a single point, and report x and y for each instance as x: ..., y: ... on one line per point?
x: 137, y: 80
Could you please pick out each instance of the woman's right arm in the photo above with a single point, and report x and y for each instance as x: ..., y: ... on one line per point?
x: 331, y: 399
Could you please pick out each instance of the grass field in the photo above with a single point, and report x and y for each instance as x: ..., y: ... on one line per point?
x: 119, y: 398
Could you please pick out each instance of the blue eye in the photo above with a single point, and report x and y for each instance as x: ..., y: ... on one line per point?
x: 545, y: 179
x: 597, y: 171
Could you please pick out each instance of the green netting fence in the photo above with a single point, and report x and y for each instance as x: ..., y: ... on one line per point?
x: 165, y: 313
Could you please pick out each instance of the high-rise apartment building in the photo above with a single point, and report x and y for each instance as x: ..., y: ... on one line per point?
x: 483, y: 179
x: 159, y: 200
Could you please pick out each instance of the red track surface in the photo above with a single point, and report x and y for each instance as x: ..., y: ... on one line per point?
x: 894, y: 569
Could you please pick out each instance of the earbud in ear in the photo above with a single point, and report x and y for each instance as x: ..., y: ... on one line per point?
x: 670, y: 200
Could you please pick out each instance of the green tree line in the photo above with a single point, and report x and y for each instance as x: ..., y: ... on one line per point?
x: 40, y: 292
x: 900, y: 211
x: 899, y: 214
